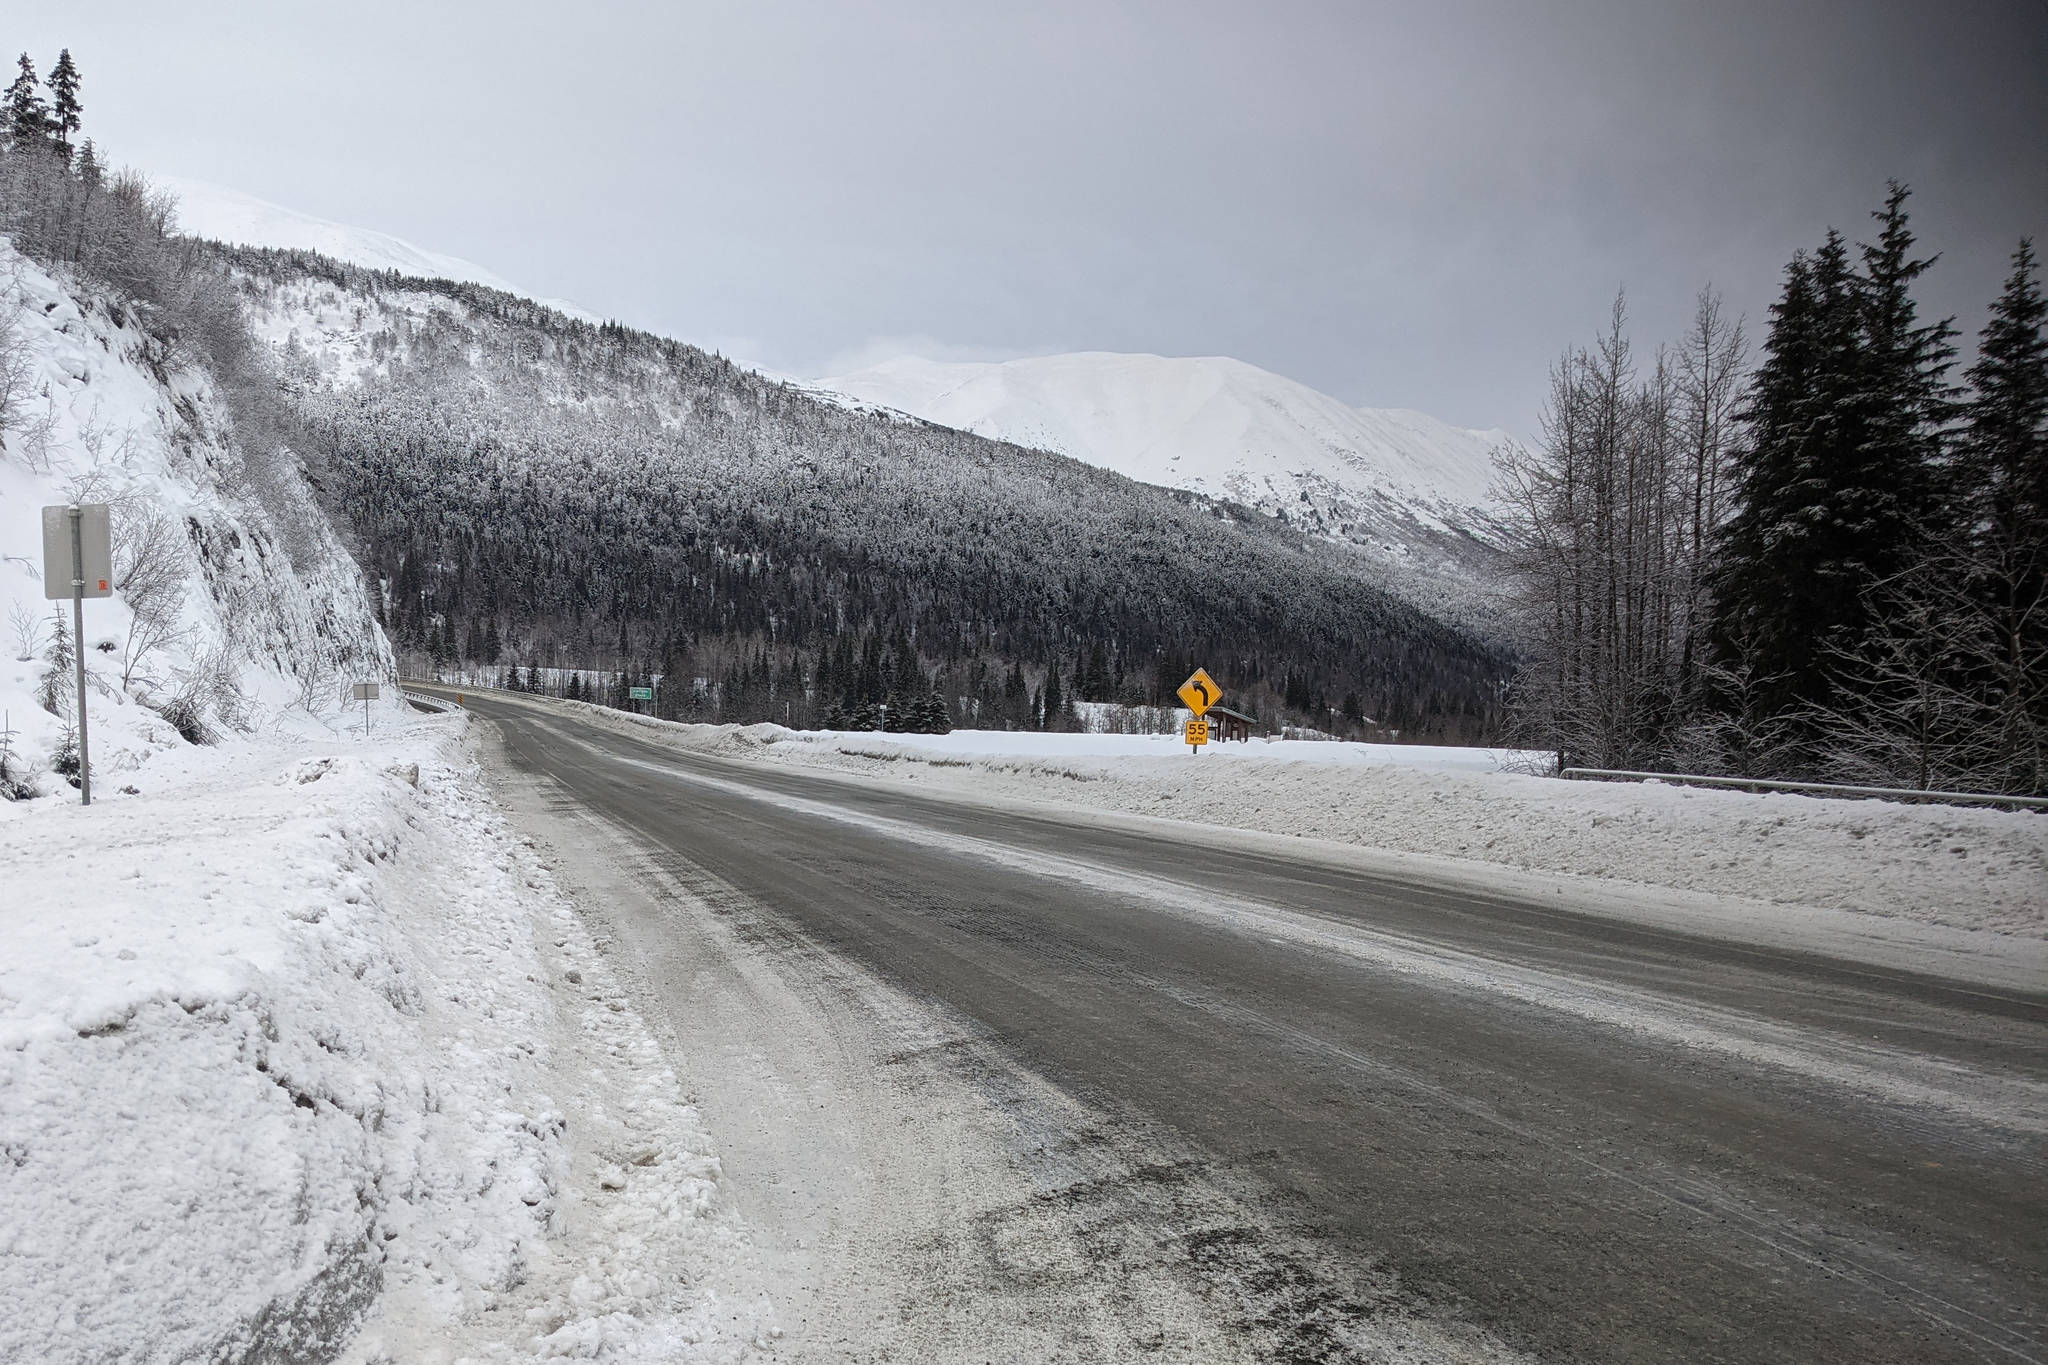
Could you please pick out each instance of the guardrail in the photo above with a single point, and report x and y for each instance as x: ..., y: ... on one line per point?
x: 422, y: 699
x: 1813, y: 788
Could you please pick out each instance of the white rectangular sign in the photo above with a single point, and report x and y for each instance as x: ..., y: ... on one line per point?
x: 364, y: 692
x: 95, y: 530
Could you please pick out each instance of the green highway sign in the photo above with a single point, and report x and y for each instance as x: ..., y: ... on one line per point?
x: 640, y: 693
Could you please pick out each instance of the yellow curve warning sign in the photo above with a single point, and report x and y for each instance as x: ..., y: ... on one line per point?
x: 1200, y: 692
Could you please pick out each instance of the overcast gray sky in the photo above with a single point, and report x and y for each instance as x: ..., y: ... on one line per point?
x: 1411, y: 205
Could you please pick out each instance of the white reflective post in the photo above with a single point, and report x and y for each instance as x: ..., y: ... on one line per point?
x: 76, y: 514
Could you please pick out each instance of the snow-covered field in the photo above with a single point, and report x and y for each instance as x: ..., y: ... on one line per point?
x: 300, y: 1028
x: 1749, y: 863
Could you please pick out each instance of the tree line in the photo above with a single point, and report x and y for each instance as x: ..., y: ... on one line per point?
x: 48, y: 123
x: 1832, y: 566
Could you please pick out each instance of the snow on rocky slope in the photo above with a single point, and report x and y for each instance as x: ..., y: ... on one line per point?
x: 1404, y: 487
x: 236, y: 610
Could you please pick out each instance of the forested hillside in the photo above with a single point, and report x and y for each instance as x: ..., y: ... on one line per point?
x: 534, y: 490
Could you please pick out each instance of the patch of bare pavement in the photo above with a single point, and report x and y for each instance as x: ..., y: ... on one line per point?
x: 996, y: 1084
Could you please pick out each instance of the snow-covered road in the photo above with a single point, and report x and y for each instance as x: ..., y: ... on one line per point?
x: 1000, y: 1079
x: 631, y: 1045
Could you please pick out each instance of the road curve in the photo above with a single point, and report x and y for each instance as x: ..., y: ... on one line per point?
x: 1592, y: 1140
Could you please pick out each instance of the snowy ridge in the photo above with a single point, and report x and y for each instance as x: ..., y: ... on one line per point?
x: 1207, y: 424
x: 225, y: 215
x: 1408, y: 491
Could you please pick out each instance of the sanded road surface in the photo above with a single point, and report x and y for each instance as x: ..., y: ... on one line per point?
x: 1582, y: 1139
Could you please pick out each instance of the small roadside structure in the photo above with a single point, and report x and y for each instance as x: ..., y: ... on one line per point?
x: 1226, y: 725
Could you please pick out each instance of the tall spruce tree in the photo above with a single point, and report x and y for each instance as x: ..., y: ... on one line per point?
x: 28, y: 114
x: 1841, y: 481
x: 2004, y: 450
x: 2004, y: 466
x: 1786, y: 579
x: 1902, y: 485
x: 65, y: 110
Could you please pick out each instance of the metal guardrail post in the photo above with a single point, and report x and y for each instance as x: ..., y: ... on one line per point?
x: 1813, y: 788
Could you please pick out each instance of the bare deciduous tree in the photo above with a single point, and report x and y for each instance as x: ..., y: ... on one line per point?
x: 152, y: 564
x: 16, y: 370
x: 151, y: 567
x: 1710, y: 364
x: 1609, y: 524
x: 26, y: 626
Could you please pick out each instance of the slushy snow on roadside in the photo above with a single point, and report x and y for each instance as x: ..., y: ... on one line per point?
x: 301, y: 1053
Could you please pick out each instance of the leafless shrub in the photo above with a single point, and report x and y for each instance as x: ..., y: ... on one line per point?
x: 1944, y: 693
x: 209, y: 691
x: 151, y: 568
x: 16, y: 369
x: 25, y: 624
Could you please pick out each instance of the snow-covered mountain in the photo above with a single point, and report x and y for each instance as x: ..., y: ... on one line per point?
x: 1208, y: 424
x: 1405, y: 488
x: 225, y: 215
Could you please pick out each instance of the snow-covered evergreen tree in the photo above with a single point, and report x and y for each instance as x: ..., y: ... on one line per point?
x: 1900, y: 490
x: 1790, y: 573
x: 65, y: 109
x: 2004, y: 448
x: 1842, y: 485
x: 2004, y: 466
x: 28, y: 113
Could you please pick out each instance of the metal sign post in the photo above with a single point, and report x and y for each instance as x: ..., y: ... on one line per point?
x: 365, y: 693
x: 78, y: 562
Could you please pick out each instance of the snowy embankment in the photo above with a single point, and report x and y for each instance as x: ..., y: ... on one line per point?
x: 302, y: 1053
x: 1961, y: 868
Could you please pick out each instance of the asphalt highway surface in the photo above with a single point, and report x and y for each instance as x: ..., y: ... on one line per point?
x: 1579, y: 1138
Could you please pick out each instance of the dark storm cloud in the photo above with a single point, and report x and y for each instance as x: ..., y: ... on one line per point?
x: 1411, y: 204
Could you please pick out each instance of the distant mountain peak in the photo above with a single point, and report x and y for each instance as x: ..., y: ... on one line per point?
x: 1210, y: 424
x: 1405, y: 489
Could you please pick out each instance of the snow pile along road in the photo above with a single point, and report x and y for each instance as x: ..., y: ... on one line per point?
x: 302, y: 1055
x: 1964, y: 868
